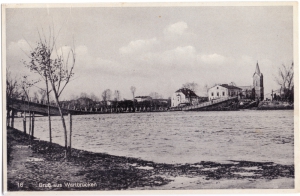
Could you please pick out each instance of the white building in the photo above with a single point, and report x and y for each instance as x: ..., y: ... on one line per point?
x: 222, y: 91
x: 184, y: 96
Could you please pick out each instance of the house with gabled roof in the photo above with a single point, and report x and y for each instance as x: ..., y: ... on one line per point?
x: 222, y: 91
x: 184, y: 96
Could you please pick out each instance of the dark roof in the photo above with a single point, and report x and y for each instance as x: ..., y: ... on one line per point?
x: 257, y: 70
x: 187, y: 92
x: 230, y: 86
x: 161, y: 99
x: 143, y: 97
x: 246, y: 87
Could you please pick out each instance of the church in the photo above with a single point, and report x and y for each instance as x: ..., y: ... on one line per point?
x: 258, y: 83
x: 255, y: 91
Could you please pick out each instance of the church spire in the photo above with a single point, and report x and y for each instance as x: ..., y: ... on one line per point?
x: 257, y: 69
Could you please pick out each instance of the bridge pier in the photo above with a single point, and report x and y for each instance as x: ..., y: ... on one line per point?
x: 70, y: 120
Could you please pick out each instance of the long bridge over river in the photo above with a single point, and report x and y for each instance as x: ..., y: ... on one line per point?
x: 17, y: 105
x: 227, y: 103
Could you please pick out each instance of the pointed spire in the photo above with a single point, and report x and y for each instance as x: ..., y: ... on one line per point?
x: 257, y: 69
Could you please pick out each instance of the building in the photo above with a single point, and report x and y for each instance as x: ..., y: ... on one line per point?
x: 143, y: 98
x: 222, y: 91
x: 184, y: 96
x: 255, y: 91
x: 258, y: 83
x: 161, y: 100
x: 248, y: 92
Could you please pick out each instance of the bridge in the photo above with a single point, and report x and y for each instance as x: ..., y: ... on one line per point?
x: 18, y: 105
x: 226, y: 103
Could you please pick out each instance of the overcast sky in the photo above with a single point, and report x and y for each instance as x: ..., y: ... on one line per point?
x: 158, y: 49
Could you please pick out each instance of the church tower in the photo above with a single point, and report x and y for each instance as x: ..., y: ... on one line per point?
x: 258, y: 84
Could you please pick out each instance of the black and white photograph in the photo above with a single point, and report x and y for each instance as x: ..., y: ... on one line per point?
x: 128, y: 97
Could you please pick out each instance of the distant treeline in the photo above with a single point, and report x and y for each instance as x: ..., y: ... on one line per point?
x: 87, y: 103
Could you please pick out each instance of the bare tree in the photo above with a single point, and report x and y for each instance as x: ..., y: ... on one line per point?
x: 155, y: 95
x: 83, y: 95
x: 73, y: 97
x: 43, y: 94
x: 12, y: 86
x: 25, y: 86
x: 190, y: 85
x: 205, y: 88
x: 285, y: 80
x: 94, y: 97
x: 13, y: 91
x: 35, y: 97
x: 40, y: 60
x: 132, y: 89
x: 56, y: 70
x: 106, y: 96
x: 117, y: 95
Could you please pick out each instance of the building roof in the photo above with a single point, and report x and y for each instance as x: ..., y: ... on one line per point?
x: 246, y: 87
x: 230, y: 86
x: 187, y: 92
x: 161, y: 99
x: 143, y: 97
x: 257, y: 70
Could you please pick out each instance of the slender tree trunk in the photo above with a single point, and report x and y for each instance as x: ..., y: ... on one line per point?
x: 24, y: 119
x: 24, y: 123
x: 49, y: 118
x: 32, y: 127
x: 29, y: 131
x: 70, y: 118
x: 62, y: 119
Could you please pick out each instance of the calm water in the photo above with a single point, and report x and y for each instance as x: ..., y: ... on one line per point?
x: 181, y: 137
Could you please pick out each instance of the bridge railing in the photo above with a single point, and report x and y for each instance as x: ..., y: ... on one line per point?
x: 208, y: 103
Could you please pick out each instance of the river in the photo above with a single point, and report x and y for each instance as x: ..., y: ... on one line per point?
x: 181, y: 137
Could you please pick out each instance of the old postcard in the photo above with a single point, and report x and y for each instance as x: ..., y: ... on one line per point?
x: 150, y: 98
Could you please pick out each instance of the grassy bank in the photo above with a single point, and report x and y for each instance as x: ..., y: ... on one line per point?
x: 36, y: 166
x: 275, y: 105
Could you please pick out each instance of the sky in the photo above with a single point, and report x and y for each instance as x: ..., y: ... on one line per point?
x: 156, y: 49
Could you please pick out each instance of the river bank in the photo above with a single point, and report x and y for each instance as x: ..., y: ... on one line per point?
x: 275, y: 105
x: 34, y: 166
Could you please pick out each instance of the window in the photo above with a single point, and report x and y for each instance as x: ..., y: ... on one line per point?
x: 223, y: 93
x: 212, y: 94
x: 217, y: 87
x: 218, y: 94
